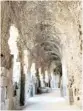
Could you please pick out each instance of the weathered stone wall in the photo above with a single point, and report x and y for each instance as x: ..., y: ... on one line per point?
x: 70, y: 29
x: 8, y: 99
x: 16, y: 78
x: 6, y: 89
x: 5, y: 24
x: 27, y: 72
x: 3, y: 87
x: 62, y: 20
x: 74, y: 68
x: 72, y: 53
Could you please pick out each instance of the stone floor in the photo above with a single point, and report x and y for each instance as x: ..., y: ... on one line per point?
x: 50, y: 101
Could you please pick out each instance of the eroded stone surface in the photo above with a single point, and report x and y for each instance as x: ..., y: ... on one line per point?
x: 50, y: 31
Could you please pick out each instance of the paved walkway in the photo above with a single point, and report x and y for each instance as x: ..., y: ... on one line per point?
x: 49, y: 102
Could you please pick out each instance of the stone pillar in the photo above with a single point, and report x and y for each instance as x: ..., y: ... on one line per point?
x: 61, y: 86
x: 70, y: 88
x: 16, y: 82
x: 22, y: 91
x: 41, y: 78
x: 28, y: 77
x: 3, y: 87
x: 49, y: 77
x: 46, y: 79
x: 43, y: 75
x: 64, y: 78
x: 52, y: 80
x: 6, y: 87
x: 22, y: 80
x: 33, y: 77
x: 38, y: 80
x: 10, y: 85
x: 10, y: 90
x: 26, y: 71
x: 57, y: 79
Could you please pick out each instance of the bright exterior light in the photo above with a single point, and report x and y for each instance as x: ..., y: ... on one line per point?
x: 12, y: 40
x: 14, y: 50
x: 33, y: 71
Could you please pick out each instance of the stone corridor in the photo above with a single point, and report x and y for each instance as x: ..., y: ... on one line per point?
x: 41, y: 55
x: 49, y: 102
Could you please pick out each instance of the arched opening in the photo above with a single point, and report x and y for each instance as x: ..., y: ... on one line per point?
x: 16, y: 66
x: 45, y: 41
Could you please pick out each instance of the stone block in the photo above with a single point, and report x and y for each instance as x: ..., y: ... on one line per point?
x: 2, y: 106
x: 18, y: 94
x: 16, y: 102
x: 3, y: 81
x: 3, y: 94
x: 3, y: 71
x: 6, y: 104
x: 11, y: 104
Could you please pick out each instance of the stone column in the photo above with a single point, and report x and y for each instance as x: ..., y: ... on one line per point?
x: 6, y: 87
x: 71, y: 98
x: 26, y: 71
x: 43, y: 75
x: 3, y: 88
x: 10, y: 90
x: 41, y: 78
x: 59, y: 80
x: 28, y: 80
x: 46, y: 79
x: 57, y: 76
x: 16, y: 82
x: 52, y: 80
x: 22, y: 91
x: 38, y: 79
x: 65, y: 79
x: 49, y: 77
x: 33, y: 77
x: 22, y: 83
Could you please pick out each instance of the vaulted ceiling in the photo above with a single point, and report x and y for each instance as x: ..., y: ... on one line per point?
x: 42, y: 26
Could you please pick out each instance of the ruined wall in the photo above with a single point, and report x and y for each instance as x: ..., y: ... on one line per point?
x: 68, y: 19
x: 7, y: 100
x: 74, y: 66
x: 6, y: 88
x: 5, y: 24
x: 27, y: 65
x: 62, y: 21
x: 72, y: 53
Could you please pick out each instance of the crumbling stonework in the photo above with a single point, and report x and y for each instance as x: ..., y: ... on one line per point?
x: 51, y: 31
x: 6, y: 88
